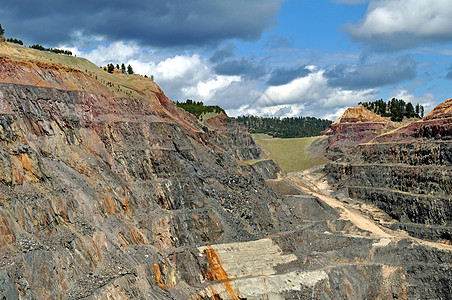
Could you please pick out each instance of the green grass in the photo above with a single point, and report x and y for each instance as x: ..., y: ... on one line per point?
x: 207, y: 115
x: 293, y: 154
x: 261, y: 136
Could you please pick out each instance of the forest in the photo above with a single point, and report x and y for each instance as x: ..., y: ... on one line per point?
x: 397, y: 109
x: 198, y: 108
x: 293, y: 127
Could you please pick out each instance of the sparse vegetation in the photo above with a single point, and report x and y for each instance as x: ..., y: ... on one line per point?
x: 198, y: 108
x: 285, y: 127
x: 53, y: 50
x: 2, y: 33
x: 16, y: 41
x: 130, y: 70
x: 110, y: 68
x: 397, y: 109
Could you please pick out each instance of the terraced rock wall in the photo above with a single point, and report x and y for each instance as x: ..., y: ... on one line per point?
x: 412, y: 182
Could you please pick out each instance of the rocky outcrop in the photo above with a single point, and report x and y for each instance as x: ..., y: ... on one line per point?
x: 436, y: 125
x: 109, y: 191
x: 234, y: 137
x: 407, y: 173
x: 108, y: 195
x: 356, y: 126
x: 268, y: 169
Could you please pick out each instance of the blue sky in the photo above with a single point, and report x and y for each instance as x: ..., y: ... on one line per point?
x: 266, y: 57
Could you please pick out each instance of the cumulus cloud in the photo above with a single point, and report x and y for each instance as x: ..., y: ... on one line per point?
x: 400, y: 24
x: 390, y: 71
x: 205, y: 90
x: 226, y: 63
x: 309, y: 96
x: 152, y: 22
x: 282, y: 76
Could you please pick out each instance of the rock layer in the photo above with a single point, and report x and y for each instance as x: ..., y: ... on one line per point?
x: 407, y: 173
x: 109, y: 191
x: 357, y: 125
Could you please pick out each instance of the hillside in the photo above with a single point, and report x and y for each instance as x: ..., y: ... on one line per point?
x: 108, y: 190
x: 357, y: 125
x: 406, y: 172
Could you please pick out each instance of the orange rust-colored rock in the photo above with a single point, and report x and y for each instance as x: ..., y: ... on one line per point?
x: 360, y: 114
x: 217, y: 122
x: 7, y: 236
x: 216, y: 271
x: 441, y: 111
x: 437, y: 125
x: 158, y: 275
x: 357, y: 125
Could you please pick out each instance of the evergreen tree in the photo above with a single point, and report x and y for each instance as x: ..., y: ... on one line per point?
x: 117, y: 66
x: 129, y: 70
x: 110, y: 68
x: 2, y: 33
x: 123, y: 68
x: 409, y: 110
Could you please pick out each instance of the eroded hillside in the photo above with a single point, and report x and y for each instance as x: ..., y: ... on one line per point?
x: 109, y: 191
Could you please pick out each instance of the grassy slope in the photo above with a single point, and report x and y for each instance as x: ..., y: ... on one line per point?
x: 206, y: 116
x: 292, y: 154
x: 120, y: 84
x: 261, y: 136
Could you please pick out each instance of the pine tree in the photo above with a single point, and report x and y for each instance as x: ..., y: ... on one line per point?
x: 123, y: 68
x: 2, y: 33
x: 409, y: 110
x: 129, y: 70
x: 110, y: 68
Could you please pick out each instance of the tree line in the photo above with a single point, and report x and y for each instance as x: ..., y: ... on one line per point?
x: 110, y: 68
x: 293, y: 127
x: 397, y: 109
x: 16, y: 41
x: 198, y: 108
x: 53, y: 50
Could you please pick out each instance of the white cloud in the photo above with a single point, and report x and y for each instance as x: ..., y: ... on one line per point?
x: 400, y: 24
x: 117, y: 52
x: 192, y: 76
x: 307, y: 96
x: 283, y: 110
x: 205, y: 90
x: 179, y: 66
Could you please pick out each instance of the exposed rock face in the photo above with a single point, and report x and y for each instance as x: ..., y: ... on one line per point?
x: 435, y: 125
x: 407, y: 173
x: 235, y: 137
x: 98, y: 191
x: 357, y: 125
x: 109, y: 191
